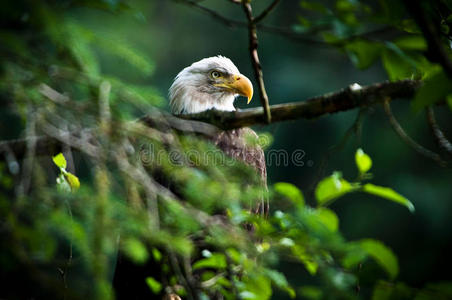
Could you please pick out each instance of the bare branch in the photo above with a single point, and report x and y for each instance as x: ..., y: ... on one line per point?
x: 253, y: 43
x: 266, y: 11
x: 441, y: 140
x: 407, y: 139
x: 216, y: 16
x: 285, y: 32
x: 345, y: 99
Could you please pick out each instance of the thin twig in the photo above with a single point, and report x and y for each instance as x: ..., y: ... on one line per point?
x: 266, y: 11
x: 230, y: 276
x: 191, y: 293
x: 27, y: 168
x: 285, y: 32
x: 408, y: 140
x: 441, y: 140
x: 355, y: 128
x: 253, y: 44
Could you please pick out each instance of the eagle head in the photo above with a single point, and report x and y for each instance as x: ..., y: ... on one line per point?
x: 211, y: 83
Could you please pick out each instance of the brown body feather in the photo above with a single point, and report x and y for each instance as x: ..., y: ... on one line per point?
x: 236, y: 143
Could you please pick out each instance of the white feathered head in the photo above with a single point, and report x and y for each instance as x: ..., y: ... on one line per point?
x: 211, y: 83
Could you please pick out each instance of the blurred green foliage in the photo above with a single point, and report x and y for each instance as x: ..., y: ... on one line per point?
x: 62, y: 240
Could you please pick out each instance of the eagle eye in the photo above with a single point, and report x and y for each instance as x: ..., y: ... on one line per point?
x: 215, y: 74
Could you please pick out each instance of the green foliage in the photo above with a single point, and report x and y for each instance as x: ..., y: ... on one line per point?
x: 148, y: 196
x: 331, y: 188
x: 335, y: 186
x: 389, y: 194
x: 154, y: 285
x: 289, y: 191
x: 385, y: 33
x: 363, y: 161
x: 382, y: 254
x: 436, y: 88
x: 66, y: 181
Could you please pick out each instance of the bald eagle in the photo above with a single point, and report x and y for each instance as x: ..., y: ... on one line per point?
x: 215, y: 83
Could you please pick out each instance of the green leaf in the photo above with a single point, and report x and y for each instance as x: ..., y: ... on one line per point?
x: 72, y: 180
x: 256, y: 288
x: 290, y: 191
x: 307, y: 260
x: 363, y: 161
x: 314, y: 6
x: 331, y: 188
x: 396, y: 65
x: 435, y: 88
x: 382, y: 291
x: 311, y: 292
x: 156, y: 254
x: 363, y: 53
x: 136, y: 250
x: 280, y: 281
x: 382, y: 255
x: 328, y: 218
x: 154, y: 285
x: 215, y: 261
x: 353, y: 256
x: 411, y: 42
x: 59, y: 160
x: 449, y: 101
x: 389, y: 194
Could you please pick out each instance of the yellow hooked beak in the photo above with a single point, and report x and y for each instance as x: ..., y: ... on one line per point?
x: 239, y: 84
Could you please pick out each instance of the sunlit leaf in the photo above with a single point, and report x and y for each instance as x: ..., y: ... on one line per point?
x: 290, y: 191
x: 135, y: 249
x: 331, y: 188
x: 73, y: 180
x: 389, y: 194
x: 308, y: 261
x: 256, y: 288
x: 328, y: 218
x: 154, y: 285
x: 363, y: 161
x: 382, y: 255
x: 215, y: 261
x: 156, y: 254
x: 59, y: 160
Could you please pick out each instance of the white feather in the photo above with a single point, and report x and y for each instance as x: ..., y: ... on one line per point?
x: 189, y: 93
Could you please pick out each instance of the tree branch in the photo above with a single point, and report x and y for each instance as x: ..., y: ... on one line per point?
x: 345, y: 99
x: 253, y: 43
x: 266, y: 11
x: 408, y: 140
x: 441, y: 140
x: 285, y: 32
x: 210, y: 122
